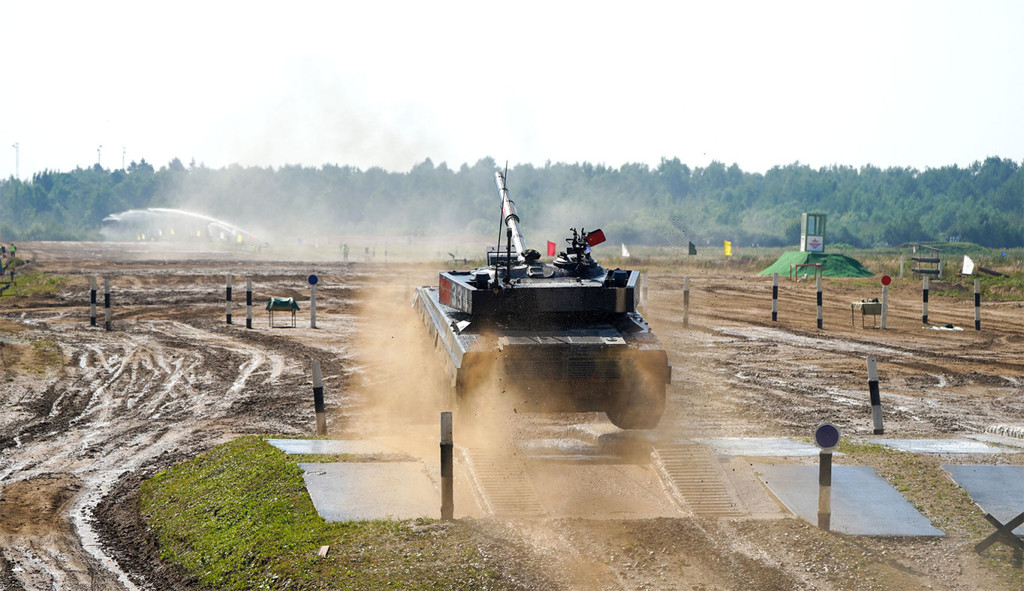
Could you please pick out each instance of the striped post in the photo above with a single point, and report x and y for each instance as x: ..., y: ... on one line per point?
x: 876, y: 399
x: 885, y: 304
x: 924, y: 300
x: 775, y: 297
x: 248, y: 302
x: 824, y: 490
x: 686, y: 301
x: 318, y: 400
x: 447, y: 488
x: 819, y: 301
x: 227, y: 299
x: 92, y: 300
x: 106, y: 303
x: 977, y: 304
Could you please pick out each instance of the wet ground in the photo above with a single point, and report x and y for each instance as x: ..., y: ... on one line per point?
x: 85, y: 413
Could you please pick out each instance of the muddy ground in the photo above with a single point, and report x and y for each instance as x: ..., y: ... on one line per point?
x: 86, y: 413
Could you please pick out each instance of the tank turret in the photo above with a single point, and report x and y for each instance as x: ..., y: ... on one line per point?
x: 562, y: 336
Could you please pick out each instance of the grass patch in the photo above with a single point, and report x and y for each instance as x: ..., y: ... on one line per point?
x: 239, y: 517
x: 35, y: 283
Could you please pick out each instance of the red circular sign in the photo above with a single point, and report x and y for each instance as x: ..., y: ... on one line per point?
x: 886, y: 280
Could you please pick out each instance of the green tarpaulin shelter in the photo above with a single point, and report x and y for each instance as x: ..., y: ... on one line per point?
x: 282, y: 304
x: 832, y: 264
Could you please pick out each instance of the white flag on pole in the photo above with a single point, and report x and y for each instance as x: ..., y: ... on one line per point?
x: 968, y: 266
x: 625, y: 252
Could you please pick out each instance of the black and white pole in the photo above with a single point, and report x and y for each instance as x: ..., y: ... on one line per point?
x: 318, y: 400
x: 924, y: 300
x: 92, y: 300
x: 312, y: 279
x: 876, y: 399
x: 227, y: 299
x: 686, y: 301
x: 447, y: 447
x: 826, y: 436
x: 819, y: 301
x: 248, y: 302
x: 775, y: 297
x: 106, y: 303
x: 977, y: 304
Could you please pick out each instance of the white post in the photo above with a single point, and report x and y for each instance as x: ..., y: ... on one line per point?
x: 924, y: 300
x: 312, y: 306
x: 876, y: 400
x: 775, y: 297
x: 447, y: 447
x: 318, y: 400
x: 977, y: 304
x: 227, y: 294
x: 819, y: 301
x: 901, y: 266
x: 248, y: 302
x: 92, y: 300
x: 106, y: 303
x: 885, y: 304
x: 686, y: 301
x: 824, y: 490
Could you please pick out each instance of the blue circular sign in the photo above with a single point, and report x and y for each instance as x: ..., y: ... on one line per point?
x: 312, y: 279
x: 826, y: 436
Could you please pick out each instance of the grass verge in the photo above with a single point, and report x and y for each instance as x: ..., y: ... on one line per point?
x: 239, y: 517
x: 35, y: 283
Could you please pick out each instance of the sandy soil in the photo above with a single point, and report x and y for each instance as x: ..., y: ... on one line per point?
x: 87, y: 413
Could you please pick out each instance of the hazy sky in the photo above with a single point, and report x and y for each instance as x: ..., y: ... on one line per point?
x: 921, y: 84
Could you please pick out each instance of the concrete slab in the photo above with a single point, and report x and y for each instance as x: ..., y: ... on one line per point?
x: 941, y: 446
x: 761, y: 447
x: 998, y: 490
x: 863, y: 503
x: 999, y: 440
x: 331, y: 447
x: 357, y: 491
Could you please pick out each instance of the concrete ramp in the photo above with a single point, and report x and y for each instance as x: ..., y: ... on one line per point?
x: 339, y: 447
x: 863, y: 503
x: 358, y: 491
x: 695, y: 479
x: 998, y: 490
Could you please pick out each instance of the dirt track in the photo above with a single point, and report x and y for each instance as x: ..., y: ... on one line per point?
x: 85, y: 412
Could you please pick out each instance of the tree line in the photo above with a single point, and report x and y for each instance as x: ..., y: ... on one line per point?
x: 669, y: 204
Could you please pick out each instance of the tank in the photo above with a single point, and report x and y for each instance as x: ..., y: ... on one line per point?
x: 559, y: 336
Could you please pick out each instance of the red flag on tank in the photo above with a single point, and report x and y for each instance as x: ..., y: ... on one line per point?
x: 551, y: 248
x: 594, y: 238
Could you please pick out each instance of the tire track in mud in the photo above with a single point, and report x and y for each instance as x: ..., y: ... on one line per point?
x: 125, y: 399
x: 930, y: 383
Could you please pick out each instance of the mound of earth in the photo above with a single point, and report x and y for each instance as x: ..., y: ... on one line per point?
x: 832, y: 264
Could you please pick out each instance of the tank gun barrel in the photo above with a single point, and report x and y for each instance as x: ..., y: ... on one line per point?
x: 511, y: 217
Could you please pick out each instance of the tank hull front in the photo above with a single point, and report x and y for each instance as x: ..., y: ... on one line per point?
x: 614, y: 364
